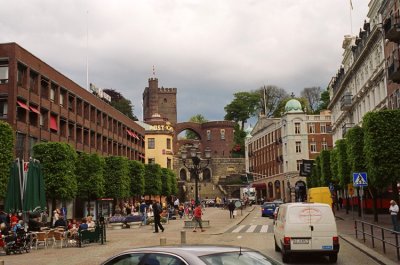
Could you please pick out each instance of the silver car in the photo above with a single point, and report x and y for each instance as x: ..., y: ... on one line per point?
x: 190, y: 255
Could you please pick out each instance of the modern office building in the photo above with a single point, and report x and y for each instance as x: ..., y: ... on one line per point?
x: 43, y: 105
x: 276, y: 148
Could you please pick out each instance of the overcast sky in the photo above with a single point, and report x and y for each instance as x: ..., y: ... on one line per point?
x: 207, y: 49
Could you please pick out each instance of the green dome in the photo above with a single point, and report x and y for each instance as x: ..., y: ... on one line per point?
x: 293, y: 105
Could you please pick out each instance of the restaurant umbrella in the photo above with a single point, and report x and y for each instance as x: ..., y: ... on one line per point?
x: 34, y: 199
x: 13, y: 201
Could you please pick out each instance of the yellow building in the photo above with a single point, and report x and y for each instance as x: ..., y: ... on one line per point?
x: 159, y: 142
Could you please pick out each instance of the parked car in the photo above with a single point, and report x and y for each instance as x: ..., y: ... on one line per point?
x: 303, y: 228
x: 191, y: 255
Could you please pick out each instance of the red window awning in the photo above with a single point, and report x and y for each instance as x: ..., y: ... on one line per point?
x: 22, y: 105
x: 129, y: 132
x: 53, y: 123
x: 134, y: 135
x: 34, y: 109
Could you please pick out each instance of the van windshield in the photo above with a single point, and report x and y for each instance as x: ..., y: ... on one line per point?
x: 310, y: 214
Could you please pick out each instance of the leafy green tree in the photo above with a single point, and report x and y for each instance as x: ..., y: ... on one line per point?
x: 343, y: 166
x: 122, y: 104
x: 239, y: 137
x: 324, y: 101
x: 118, y: 181
x: 166, y: 187
x: 199, y: 119
x: 90, y: 178
x: 269, y: 99
x: 334, y: 166
x: 58, y: 162
x: 326, y: 175
x: 6, y: 155
x: 174, y: 182
x: 152, y: 179
x: 382, y: 151
x: 316, y: 173
x: 243, y: 107
x: 136, y: 173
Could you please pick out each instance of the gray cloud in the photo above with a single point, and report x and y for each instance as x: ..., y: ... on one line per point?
x: 207, y: 49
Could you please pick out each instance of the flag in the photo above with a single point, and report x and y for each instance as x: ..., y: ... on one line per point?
x: 351, y: 5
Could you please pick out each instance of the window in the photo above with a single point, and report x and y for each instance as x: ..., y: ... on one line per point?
x: 322, y: 127
x: 222, y: 134
x: 151, y: 144
x: 53, y: 91
x: 34, y: 115
x: 311, y: 128
x: 208, y: 135
x: 313, y: 147
x: 53, y: 122
x: 44, y: 119
x: 33, y: 82
x: 3, y: 71
x: 3, y: 108
x: 44, y: 88
x: 299, y: 162
x: 168, y: 143
x: 32, y: 142
x: 22, y: 110
x: 20, y: 145
x: 298, y: 147
x: 169, y: 163
x: 324, y: 145
x: 151, y: 161
x: 21, y: 73
x: 297, y: 128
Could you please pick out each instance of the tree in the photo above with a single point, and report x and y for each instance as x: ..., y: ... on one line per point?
x: 6, y: 155
x: 355, y: 153
x: 326, y: 175
x: 315, y: 180
x: 58, y: 162
x: 281, y: 108
x: 152, y: 179
x: 117, y: 178
x: 382, y: 151
x: 343, y: 166
x: 166, y: 187
x: 122, y: 104
x: 198, y: 119
x: 324, y: 101
x: 136, y: 173
x: 238, y: 147
x: 174, y: 182
x: 313, y: 97
x: 334, y: 166
x: 270, y: 99
x: 243, y: 107
x: 90, y: 178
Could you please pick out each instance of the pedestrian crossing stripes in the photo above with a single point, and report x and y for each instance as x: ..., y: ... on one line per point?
x: 250, y: 229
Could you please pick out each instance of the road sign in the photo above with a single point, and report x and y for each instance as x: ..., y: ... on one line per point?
x: 350, y: 188
x: 360, y: 179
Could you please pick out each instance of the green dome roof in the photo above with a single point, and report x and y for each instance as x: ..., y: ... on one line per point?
x: 293, y: 105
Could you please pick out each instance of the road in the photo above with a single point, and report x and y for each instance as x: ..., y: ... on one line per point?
x: 253, y: 231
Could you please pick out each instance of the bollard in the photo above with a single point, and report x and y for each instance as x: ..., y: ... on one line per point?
x: 183, y: 237
x: 163, y: 241
x: 1, y: 262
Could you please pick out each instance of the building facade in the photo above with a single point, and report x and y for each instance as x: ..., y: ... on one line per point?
x: 360, y: 84
x: 42, y: 105
x: 276, y: 148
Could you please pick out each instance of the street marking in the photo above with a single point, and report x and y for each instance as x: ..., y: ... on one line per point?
x: 264, y: 229
x: 251, y: 229
x: 238, y: 229
x: 239, y: 237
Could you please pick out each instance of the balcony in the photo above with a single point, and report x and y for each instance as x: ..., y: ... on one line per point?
x: 345, y: 128
x: 392, y: 29
x: 345, y: 102
x: 393, y: 68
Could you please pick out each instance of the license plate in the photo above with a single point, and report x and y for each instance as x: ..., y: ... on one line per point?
x: 300, y: 241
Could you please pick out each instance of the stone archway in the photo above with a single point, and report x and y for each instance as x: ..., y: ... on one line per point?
x: 270, y: 193
x: 300, y: 191
x: 277, y: 188
x: 207, y: 175
x: 183, y: 174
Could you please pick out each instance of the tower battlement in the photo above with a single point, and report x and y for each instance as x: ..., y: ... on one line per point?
x: 167, y: 90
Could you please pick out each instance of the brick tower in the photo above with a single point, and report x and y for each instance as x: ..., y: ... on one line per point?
x: 160, y: 101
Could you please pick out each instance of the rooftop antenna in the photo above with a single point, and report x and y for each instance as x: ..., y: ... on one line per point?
x: 351, y: 19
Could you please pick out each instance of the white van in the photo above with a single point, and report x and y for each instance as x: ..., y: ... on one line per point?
x: 306, y: 228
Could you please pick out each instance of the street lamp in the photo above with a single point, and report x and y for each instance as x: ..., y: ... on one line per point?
x: 195, y: 167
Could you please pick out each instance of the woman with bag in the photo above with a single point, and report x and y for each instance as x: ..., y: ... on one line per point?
x: 197, y: 218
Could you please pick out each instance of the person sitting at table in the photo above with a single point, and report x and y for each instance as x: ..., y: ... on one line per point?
x: 34, y: 224
x: 91, y: 224
x: 60, y: 222
x: 83, y: 225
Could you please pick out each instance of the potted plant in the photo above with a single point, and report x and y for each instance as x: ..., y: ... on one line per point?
x: 117, y: 221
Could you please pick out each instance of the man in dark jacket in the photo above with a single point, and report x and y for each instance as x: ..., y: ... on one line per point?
x: 157, y: 218
x: 231, y: 207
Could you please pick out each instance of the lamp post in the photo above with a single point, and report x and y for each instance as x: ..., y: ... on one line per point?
x: 195, y: 167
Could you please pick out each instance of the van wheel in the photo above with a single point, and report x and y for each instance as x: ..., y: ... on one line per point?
x: 333, y: 258
x: 276, y: 246
x: 285, y: 258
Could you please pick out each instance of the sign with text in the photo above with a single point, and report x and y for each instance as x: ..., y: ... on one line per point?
x: 306, y: 168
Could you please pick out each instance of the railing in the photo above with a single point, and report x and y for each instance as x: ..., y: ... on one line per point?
x: 379, y: 236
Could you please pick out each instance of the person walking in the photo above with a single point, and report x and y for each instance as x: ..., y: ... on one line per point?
x: 231, y: 208
x: 157, y: 218
x: 394, y: 210
x: 197, y: 218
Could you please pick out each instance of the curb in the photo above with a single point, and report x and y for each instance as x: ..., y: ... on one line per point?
x: 368, y: 251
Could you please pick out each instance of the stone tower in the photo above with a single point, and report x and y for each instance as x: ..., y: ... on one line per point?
x: 160, y: 101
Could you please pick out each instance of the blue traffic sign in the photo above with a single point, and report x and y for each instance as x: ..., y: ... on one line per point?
x: 360, y: 179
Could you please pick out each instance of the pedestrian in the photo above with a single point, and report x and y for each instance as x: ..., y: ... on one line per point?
x: 157, y: 218
x: 197, y: 218
x: 394, y: 210
x: 231, y: 208
x: 340, y: 202
x: 176, y: 204
x: 143, y: 212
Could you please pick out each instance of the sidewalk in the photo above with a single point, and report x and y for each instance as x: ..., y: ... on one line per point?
x: 346, y: 229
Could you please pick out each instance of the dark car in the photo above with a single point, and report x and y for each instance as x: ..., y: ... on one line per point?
x: 191, y: 255
x: 268, y: 208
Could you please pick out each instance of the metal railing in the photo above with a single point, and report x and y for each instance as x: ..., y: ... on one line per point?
x: 368, y: 229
